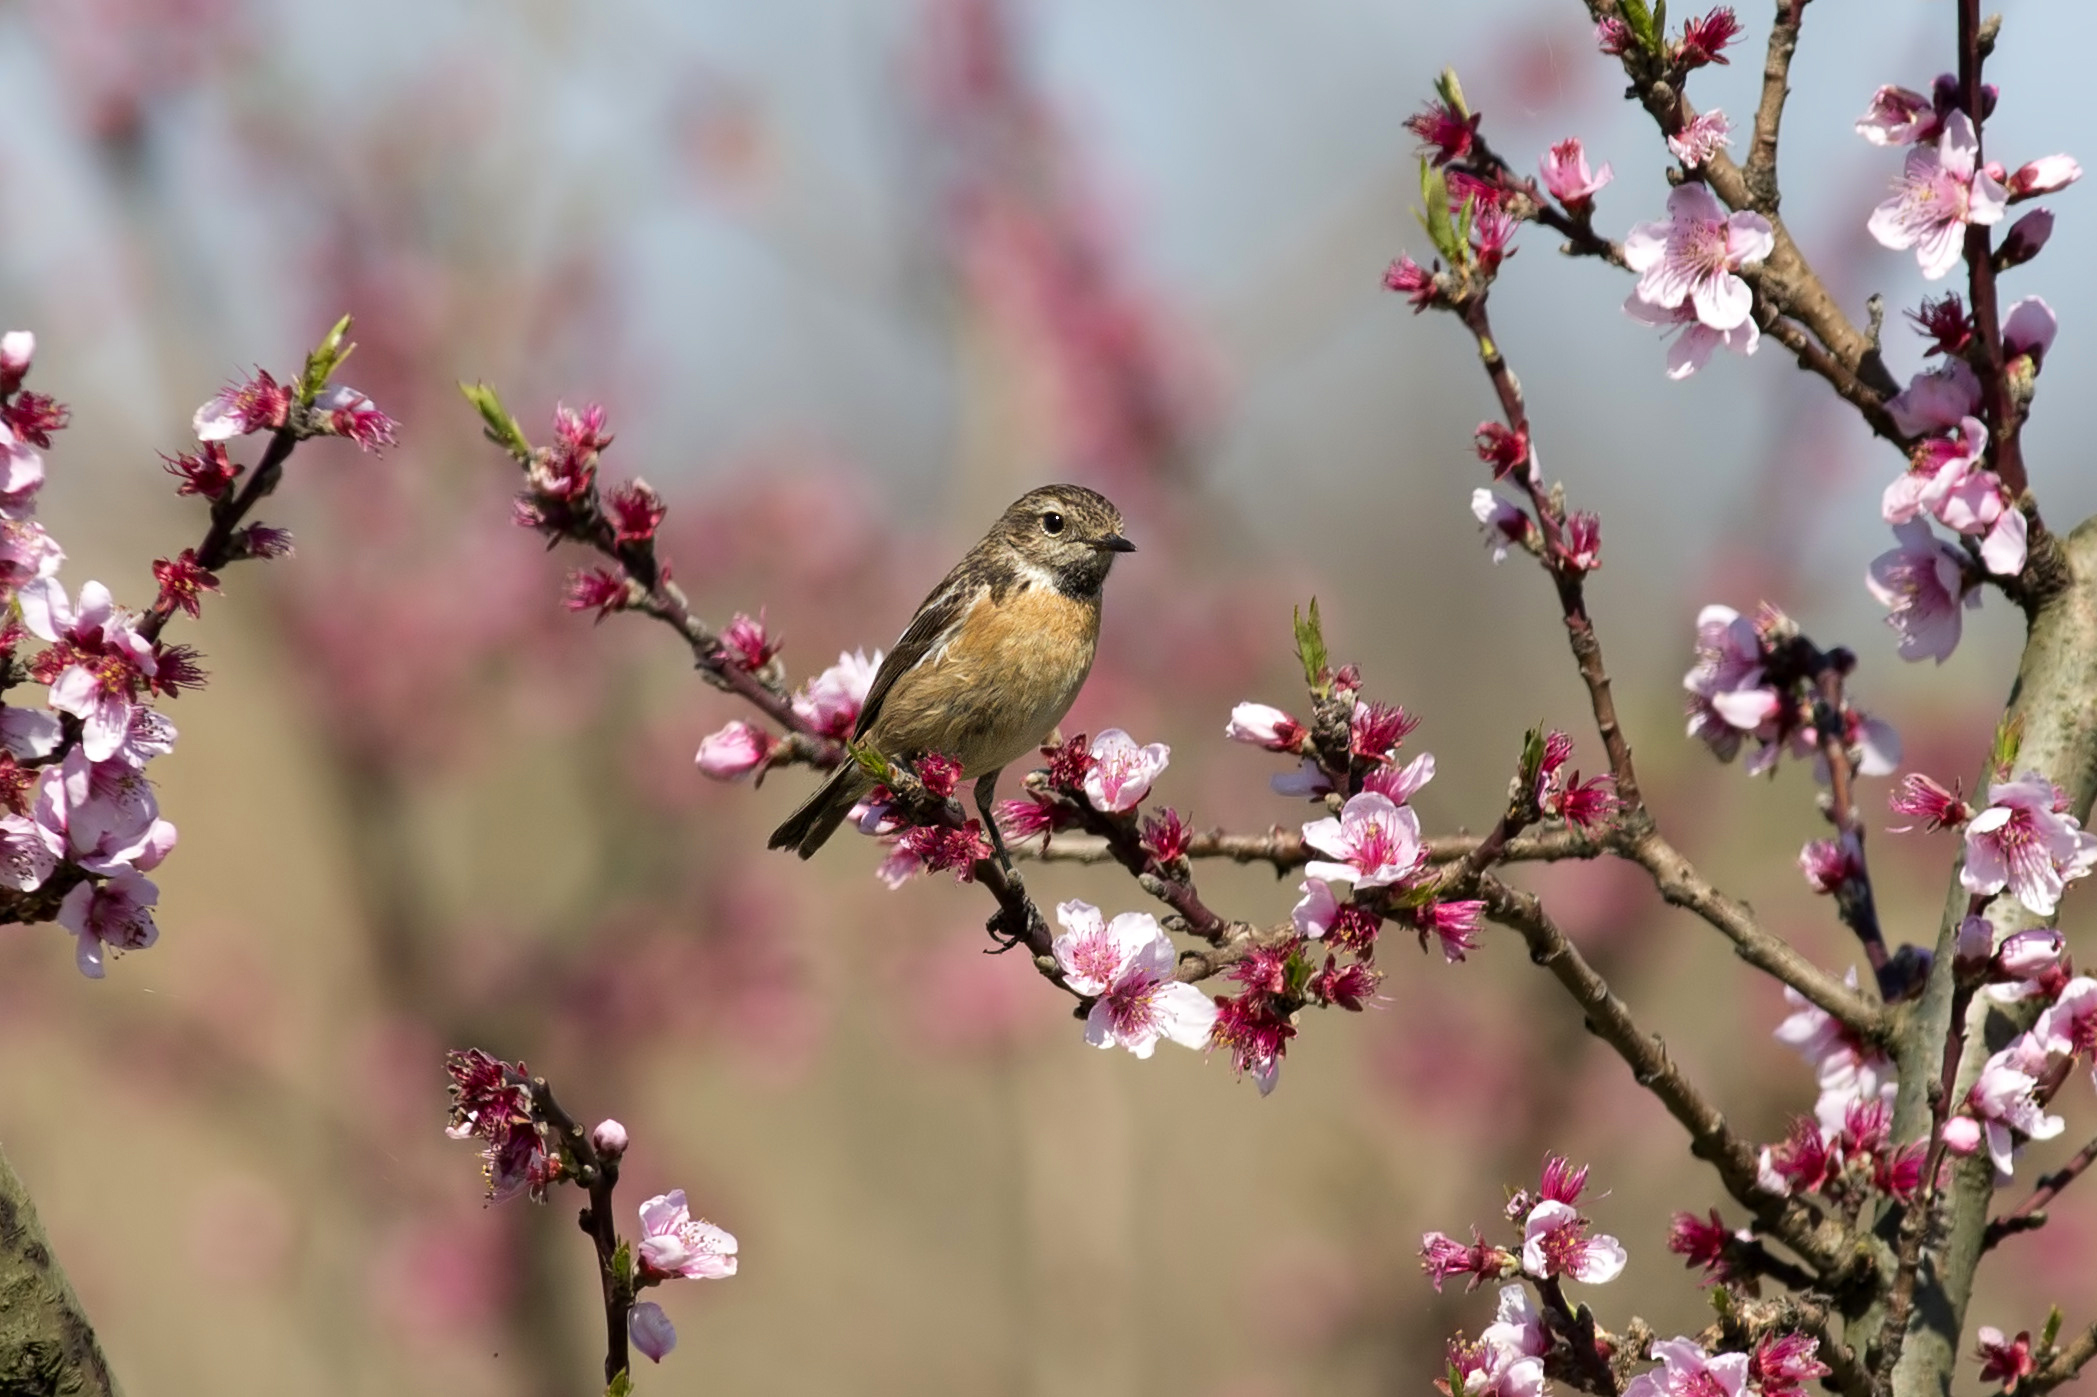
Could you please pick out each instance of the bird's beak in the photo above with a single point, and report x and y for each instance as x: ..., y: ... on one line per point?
x: 1115, y: 543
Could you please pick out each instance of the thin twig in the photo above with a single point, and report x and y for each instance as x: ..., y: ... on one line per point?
x: 2030, y: 1215
x: 599, y: 1176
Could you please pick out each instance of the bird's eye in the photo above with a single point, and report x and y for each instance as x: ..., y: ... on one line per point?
x: 1052, y: 523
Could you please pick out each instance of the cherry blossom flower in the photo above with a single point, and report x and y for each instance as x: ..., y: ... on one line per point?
x: 1936, y: 401
x: 29, y: 733
x: 1500, y: 448
x: 1517, y: 1325
x: 1309, y: 780
x: 26, y: 856
x: 1701, y: 1243
x: 1830, y: 863
x: 1614, y: 37
x: 1802, y: 1161
x: 110, y: 917
x: 103, y: 817
x: 651, y: 1330
x: 1582, y: 547
x: 1376, y: 841
x: 183, y: 581
x: 101, y: 660
x: 2068, y: 1026
x: 239, y: 408
x: 1313, y: 913
x: 2043, y: 176
x: 1938, y: 466
x: 1401, y: 783
x: 1898, y: 117
x: 26, y: 554
x: 1125, y: 966
x: 1454, y: 925
x: 1687, y: 1371
x: 1705, y: 40
x: 1847, y: 1072
x: 1122, y: 772
x: 1505, y: 526
x: 1439, y: 127
x: 1564, y: 168
x: 1507, y: 1360
x: 1413, y: 281
x: 1555, y: 1242
x: 348, y: 413
x: 1256, y: 1035
x: 1926, y: 799
x: 1694, y: 256
x: 2025, y: 842
x: 208, y: 472
x: 2004, y: 1360
x: 33, y: 417
x: 1442, y: 1256
x: 1692, y: 348
x: 1924, y: 584
x: 1728, y: 693
x: 830, y: 702
x: 1265, y: 726
x: 635, y: 511
x: 674, y: 1243
x: 1979, y: 506
x: 2002, y: 1101
x: 748, y: 644
x: 1374, y: 730
x: 1940, y: 192
x: 21, y: 476
x: 603, y: 590
x: 1166, y: 837
x: 1700, y: 138
x: 733, y: 752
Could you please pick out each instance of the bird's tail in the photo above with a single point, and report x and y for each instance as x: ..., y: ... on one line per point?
x: 806, y: 830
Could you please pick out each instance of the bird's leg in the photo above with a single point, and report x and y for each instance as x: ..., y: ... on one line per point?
x: 986, y: 802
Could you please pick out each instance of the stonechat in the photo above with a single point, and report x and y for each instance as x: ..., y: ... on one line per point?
x: 992, y: 660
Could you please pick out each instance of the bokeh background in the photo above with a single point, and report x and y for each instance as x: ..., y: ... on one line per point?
x: 850, y: 274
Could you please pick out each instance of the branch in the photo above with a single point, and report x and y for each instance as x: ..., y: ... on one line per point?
x: 1821, y: 1244
x: 2066, y: 1365
x: 1287, y: 852
x: 1760, y: 172
x: 46, y: 1341
x: 1853, y: 899
x: 599, y: 1176
x: 2030, y: 1215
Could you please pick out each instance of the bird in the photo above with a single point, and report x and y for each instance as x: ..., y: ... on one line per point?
x: 992, y: 660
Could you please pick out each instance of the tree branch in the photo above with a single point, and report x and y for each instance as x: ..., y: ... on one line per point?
x: 46, y: 1341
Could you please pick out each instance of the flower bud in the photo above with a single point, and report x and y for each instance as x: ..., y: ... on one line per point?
x: 2026, y: 238
x: 608, y: 1139
x: 651, y: 1330
x: 733, y: 752
x: 17, y: 348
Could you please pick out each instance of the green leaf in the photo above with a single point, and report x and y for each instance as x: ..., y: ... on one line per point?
x: 1451, y: 92
x: 870, y: 760
x: 1434, y: 215
x: 1532, y: 756
x: 1297, y: 973
x: 327, y: 356
x: 622, y: 1266
x: 502, y: 428
x: 622, y: 1386
x: 1456, y: 1381
x: 2009, y: 736
x: 1310, y: 648
x: 2052, y: 1330
x: 1639, y: 20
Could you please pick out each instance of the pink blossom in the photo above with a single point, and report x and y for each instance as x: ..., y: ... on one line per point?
x: 2043, y: 176
x: 2068, y: 1026
x: 1565, y: 174
x: 1692, y: 258
x: 2004, y: 1360
x: 830, y: 702
x: 1442, y: 1256
x: 1702, y: 137
x: 1701, y: 1243
x: 1505, y: 526
x: 1122, y: 772
x: 1582, y: 547
x: 2002, y: 1101
x: 33, y: 732
x: 21, y: 475
x: 103, y: 659
x: 1979, y: 506
x: 1614, y: 37
x: 1924, y: 584
x: 1939, y: 465
x: 26, y: 554
x: 1376, y: 841
x: 1454, y: 926
x: 101, y: 816
x: 1555, y: 1242
x: 1926, y: 799
x: 1413, y: 281
x: 1728, y: 695
x: 1266, y: 726
x: 1313, y: 913
x: 1517, y: 1326
x: 17, y: 349
x: 110, y: 917
x: 1692, y: 348
x: 1401, y: 783
x: 748, y: 645
x: 348, y: 413
x: 1848, y: 1074
x: 1374, y: 730
x: 26, y: 856
x: 239, y: 408
x: 1687, y: 1371
x: 1256, y: 1034
x: 1975, y: 942
x: 1830, y: 863
x: 674, y: 1243
x: 651, y: 1330
x: 1308, y: 780
x: 734, y: 752
x: 1936, y: 401
x: 1898, y: 117
x: 1562, y: 1180
x: 1802, y: 1161
x: 1440, y: 127
x: 1961, y: 1135
x: 2028, y: 328
x: 635, y: 511
x: 1704, y: 40
x: 1500, y: 448
x: 1941, y: 191
x: 1126, y: 967
x: 2024, y: 841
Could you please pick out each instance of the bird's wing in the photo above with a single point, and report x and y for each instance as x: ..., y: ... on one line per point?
x: 937, y: 622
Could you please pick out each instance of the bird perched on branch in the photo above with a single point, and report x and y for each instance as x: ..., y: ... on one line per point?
x: 992, y: 660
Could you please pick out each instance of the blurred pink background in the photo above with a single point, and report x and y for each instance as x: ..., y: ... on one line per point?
x: 849, y: 276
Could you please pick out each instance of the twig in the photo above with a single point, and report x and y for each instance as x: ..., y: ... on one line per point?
x: 2069, y: 1362
x: 1760, y: 171
x: 1287, y: 852
x: 2030, y: 1215
x: 1853, y: 899
x: 1578, y: 1327
x: 599, y: 1176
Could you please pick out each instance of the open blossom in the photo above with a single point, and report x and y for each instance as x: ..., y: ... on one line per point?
x: 1256, y: 1034
x: 1848, y: 1073
x: 21, y: 475
x: 2004, y: 1360
x: 1980, y: 506
x: 1694, y: 256
x: 1687, y: 1371
x: 101, y: 659
x: 1702, y: 137
x: 1375, y: 840
x: 26, y: 554
x: 1413, y: 281
x: 1505, y: 526
x: 1898, y: 116
x: 1942, y: 190
x: 674, y: 1243
x: 1926, y: 799
x: 733, y: 752
x: 1122, y: 772
x: 1728, y: 693
x: 1692, y: 348
x: 1442, y: 1256
x: 1374, y: 730
x: 1565, y: 174
x: 1126, y: 967
x: 1265, y: 726
x: 1401, y: 783
x: 651, y: 1330
x: 109, y: 917
x: 1924, y: 584
x: 249, y: 406
x: 830, y: 702
x: 1938, y: 465
x: 1937, y: 401
x: 1830, y: 863
x: 2002, y: 1101
x: 2024, y: 841
x: 1555, y: 1242
x: 2068, y: 1026
x: 103, y: 817
x: 348, y: 413
x: 635, y: 511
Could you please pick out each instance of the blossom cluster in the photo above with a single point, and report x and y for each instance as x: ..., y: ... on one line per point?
x: 2022, y: 841
x: 1753, y: 680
